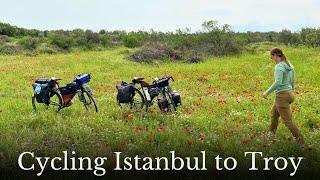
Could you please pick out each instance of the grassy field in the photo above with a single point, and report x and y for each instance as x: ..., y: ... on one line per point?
x: 223, y: 110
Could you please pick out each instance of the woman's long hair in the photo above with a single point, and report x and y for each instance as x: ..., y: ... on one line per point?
x: 278, y: 52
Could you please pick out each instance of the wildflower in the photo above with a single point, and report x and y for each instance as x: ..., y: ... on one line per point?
x: 160, y: 129
x: 189, y: 141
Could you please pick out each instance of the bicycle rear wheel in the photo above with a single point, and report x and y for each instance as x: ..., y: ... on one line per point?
x: 138, y: 100
x: 55, y: 102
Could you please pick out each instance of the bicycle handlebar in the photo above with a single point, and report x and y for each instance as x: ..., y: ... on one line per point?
x: 170, y: 77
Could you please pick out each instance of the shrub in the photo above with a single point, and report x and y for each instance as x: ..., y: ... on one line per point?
x: 102, y: 31
x: 92, y: 37
x: 61, y: 40
x: 47, y: 49
x: 29, y: 42
x: 4, y: 39
x: 14, y: 31
x: 310, y: 37
x: 193, y: 57
x: 288, y: 38
x: 10, y: 49
x: 131, y: 40
x: 79, y: 38
x: 156, y: 52
x: 106, y: 40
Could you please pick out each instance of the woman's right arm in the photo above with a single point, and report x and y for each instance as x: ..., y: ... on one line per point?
x: 293, y: 83
x: 278, y: 80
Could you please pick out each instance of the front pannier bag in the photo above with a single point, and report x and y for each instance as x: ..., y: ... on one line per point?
x: 41, y: 90
x: 163, y: 104
x: 176, y: 98
x: 125, y: 93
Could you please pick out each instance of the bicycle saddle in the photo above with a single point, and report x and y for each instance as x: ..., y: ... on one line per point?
x: 55, y: 79
x: 137, y: 79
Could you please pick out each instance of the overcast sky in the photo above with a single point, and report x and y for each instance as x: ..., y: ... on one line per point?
x: 161, y: 15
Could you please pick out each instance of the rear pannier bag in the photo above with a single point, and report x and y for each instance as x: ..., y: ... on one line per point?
x: 42, y: 81
x: 83, y: 78
x: 176, y: 98
x: 41, y: 90
x: 125, y: 93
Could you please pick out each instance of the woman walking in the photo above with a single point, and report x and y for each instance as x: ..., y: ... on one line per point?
x: 283, y: 87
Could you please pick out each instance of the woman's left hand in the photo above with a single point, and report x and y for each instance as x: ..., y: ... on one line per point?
x: 265, y: 95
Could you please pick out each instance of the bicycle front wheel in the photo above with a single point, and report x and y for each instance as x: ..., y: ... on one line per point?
x: 89, y: 101
x: 172, y: 106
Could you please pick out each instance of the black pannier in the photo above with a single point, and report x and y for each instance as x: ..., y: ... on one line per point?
x: 73, y: 87
x: 176, y: 98
x: 43, y: 81
x: 163, y: 104
x: 154, y: 92
x: 41, y: 89
x: 125, y: 93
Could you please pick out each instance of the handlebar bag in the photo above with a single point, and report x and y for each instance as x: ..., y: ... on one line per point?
x: 83, y: 78
x: 162, y: 82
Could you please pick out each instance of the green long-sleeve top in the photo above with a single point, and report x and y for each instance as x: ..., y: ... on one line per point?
x: 284, y: 78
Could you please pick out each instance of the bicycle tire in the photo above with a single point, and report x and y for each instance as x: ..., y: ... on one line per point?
x: 139, y: 96
x: 168, y: 96
x: 92, y: 101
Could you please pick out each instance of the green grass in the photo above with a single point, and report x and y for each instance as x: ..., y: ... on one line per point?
x: 204, y: 122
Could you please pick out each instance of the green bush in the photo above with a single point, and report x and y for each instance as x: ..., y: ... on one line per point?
x: 10, y: 49
x: 310, y: 37
x: 47, y: 49
x: 4, y: 39
x: 14, y: 31
x: 29, y: 42
x: 132, y: 40
x: 79, y: 38
x: 106, y: 40
x: 288, y: 38
x: 61, y: 40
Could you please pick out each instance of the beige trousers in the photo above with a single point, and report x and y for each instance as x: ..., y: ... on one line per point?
x: 281, y: 108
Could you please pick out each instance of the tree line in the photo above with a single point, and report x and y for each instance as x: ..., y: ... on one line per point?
x: 214, y: 39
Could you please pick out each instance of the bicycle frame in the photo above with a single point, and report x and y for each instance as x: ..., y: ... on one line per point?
x: 80, y: 90
x: 167, y: 89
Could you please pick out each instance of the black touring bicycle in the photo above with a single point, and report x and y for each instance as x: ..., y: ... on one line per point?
x: 47, y: 92
x: 145, y: 95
